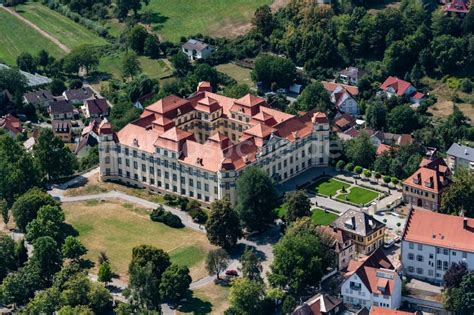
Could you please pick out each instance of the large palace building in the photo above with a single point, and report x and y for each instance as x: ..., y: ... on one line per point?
x: 197, y: 147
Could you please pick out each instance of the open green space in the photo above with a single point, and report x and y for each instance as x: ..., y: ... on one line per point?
x: 209, y: 299
x: 17, y: 37
x: 155, y: 69
x: 328, y: 186
x: 321, y: 217
x: 359, y: 195
x: 116, y: 228
x: 64, y: 29
x: 239, y: 74
x: 172, y: 19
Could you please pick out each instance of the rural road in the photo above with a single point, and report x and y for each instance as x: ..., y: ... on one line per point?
x: 34, y: 26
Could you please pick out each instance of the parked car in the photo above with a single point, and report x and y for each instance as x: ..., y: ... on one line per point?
x: 388, y: 244
x: 231, y: 273
x: 397, y: 239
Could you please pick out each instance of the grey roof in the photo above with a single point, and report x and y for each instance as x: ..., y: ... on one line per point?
x: 61, y: 125
x: 61, y: 107
x: 353, y: 72
x: 38, y: 97
x: 79, y: 94
x: 194, y: 44
x: 461, y: 151
x: 357, y: 222
x: 31, y: 79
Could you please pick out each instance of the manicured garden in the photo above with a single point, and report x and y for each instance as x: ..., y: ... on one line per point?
x: 329, y: 186
x: 318, y: 216
x: 358, y: 195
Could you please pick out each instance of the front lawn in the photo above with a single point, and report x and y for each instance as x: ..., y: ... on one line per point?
x: 321, y: 217
x: 238, y: 73
x: 329, y: 186
x: 116, y: 228
x: 359, y: 195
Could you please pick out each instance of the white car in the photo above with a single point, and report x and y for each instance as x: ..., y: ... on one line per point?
x: 388, y: 244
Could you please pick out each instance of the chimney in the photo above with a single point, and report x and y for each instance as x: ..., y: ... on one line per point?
x: 353, y: 221
x: 464, y: 223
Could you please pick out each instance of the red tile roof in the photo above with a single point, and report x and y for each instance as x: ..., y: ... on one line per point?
x: 432, y: 176
x: 399, y: 86
x: 376, y: 310
x: 437, y: 229
x: 11, y: 123
x: 383, y: 148
x: 331, y: 86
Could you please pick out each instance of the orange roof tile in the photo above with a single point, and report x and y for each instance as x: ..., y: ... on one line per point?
x: 133, y: 135
x: 166, y: 104
x: 331, y: 86
x: 383, y: 148
x: 260, y: 131
x: 250, y: 100
x: 432, y: 176
x: 376, y: 310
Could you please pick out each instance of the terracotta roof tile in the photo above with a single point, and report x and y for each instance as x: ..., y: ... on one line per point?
x: 431, y: 176
x: 377, y: 310
x: 399, y: 86
x: 331, y: 86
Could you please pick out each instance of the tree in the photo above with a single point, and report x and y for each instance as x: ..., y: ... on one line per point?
x: 136, y: 38
x: 223, y: 225
x: 340, y: 165
x: 43, y: 58
x: 26, y: 62
x: 46, y: 257
x: 447, y: 53
x: 21, y: 253
x: 151, y: 47
x: 48, y: 222
x: 256, y: 199
x: 314, y: 97
x: 402, y: 119
x: 8, y: 260
x: 73, y: 248
x: 360, y: 150
x: 263, y: 20
x: 298, y: 205
x: 13, y: 81
x: 454, y: 275
x: 387, y: 179
x: 376, y: 116
x: 269, y: 69
x: 124, y: 6
x: 181, y: 64
x: 5, y: 211
x: 130, y: 65
x: 26, y: 207
x: 459, y: 196
x: 75, y: 310
x: 216, y: 262
x: 54, y: 158
x: 175, y: 283
x: 19, y: 286
x: 466, y: 85
x: 81, y: 57
x: 459, y: 299
x: 105, y: 274
x: 236, y: 90
x: 251, y: 265
x: 44, y: 302
x: 204, y: 72
x: 246, y: 296
x: 75, y: 84
x: 57, y: 86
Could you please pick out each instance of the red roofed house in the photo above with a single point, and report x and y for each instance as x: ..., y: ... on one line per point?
x: 460, y: 7
x: 198, y: 146
x: 395, y: 86
x: 432, y: 241
x: 320, y: 304
x: 11, y: 125
x: 372, y: 281
x: 383, y: 148
x: 341, y: 243
x: 376, y: 310
x: 425, y: 187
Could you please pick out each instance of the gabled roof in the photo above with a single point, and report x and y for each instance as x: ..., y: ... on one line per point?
x: 97, y: 106
x: 61, y: 107
x: 437, y: 229
x: 166, y: 104
x: 433, y: 176
x: 353, y: 72
x: 399, y: 86
x: 79, y: 94
x: 331, y: 86
x: 194, y: 44
x: 461, y: 151
x: 61, y: 125
x: 37, y: 97
x: 357, y: 222
x: 376, y: 310
x: 383, y: 148
x: 318, y: 305
x: 11, y: 123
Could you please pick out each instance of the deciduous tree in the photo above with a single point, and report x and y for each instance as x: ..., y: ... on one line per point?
x: 26, y: 207
x: 175, y: 283
x: 8, y: 260
x: 216, y: 262
x: 247, y: 296
x: 223, y: 225
x: 48, y: 222
x: 130, y: 65
x: 460, y: 194
x: 73, y: 248
x: 251, y: 265
x: 314, y: 97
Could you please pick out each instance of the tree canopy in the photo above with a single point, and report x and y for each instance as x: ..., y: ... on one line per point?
x: 223, y: 225
x: 273, y: 69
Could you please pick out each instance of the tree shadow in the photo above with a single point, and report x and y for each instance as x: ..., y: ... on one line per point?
x: 69, y: 230
x: 155, y: 18
x: 87, y: 264
x: 195, y: 305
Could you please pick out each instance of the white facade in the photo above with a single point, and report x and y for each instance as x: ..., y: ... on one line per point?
x: 428, y: 262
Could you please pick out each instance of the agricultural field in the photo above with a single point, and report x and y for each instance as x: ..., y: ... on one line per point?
x: 172, y: 19
x: 155, y: 69
x: 358, y: 195
x: 117, y: 227
x: 328, y: 186
x: 62, y: 28
x: 239, y: 74
x: 17, y: 37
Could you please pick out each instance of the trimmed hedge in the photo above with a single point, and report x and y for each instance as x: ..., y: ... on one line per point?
x: 198, y: 215
x: 166, y: 217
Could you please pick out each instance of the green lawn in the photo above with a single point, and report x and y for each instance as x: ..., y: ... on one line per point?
x: 17, y: 37
x: 155, y: 69
x: 329, y: 186
x: 64, y: 29
x: 172, y: 19
x: 322, y: 217
x: 240, y: 74
x: 359, y: 195
x: 116, y: 228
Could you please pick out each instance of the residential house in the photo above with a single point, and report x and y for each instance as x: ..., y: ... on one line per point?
x: 366, y: 232
x: 40, y: 98
x: 78, y: 96
x: 377, y: 310
x: 96, y: 108
x: 196, y: 49
x: 341, y: 244
x: 29, y: 143
x: 459, y: 7
x: 345, y: 101
x: 432, y: 241
x: 32, y: 80
x: 343, y: 122
x: 394, y: 86
x: 372, y: 281
x: 351, y: 75
x: 425, y: 187
x: 460, y: 156
x: 60, y: 110
x: 63, y: 130
x: 89, y: 138
x: 11, y: 125
x: 383, y: 148
x: 320, y: 304
x: 332, y: 86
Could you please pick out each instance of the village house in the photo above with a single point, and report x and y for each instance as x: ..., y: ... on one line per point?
x: 460, y: 156
x: 425, y: 187
x: 89, y: 139
x: 40, y: 98
x: 342, y: 96
x: 372, y: 281
x: 351, y: 75
x: 341, y: 244
x: 459, y: 7
x: 11, y: 125
x: 432, y: 241
x: 377, y: 310
x: 61, y: 110
x: 394, y: 86
x: 366, y: 232
x: 78, y: 96
x: 343, y: 122
x: 96, y: 108
x: 63, y: 130
x: 320, y: 304
x: 198, y: 147
x: 196, y: 49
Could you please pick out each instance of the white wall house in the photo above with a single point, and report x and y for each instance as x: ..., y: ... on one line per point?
x: 460, y: 156
x: 433, y: 241
x: 344, y: 101
x: 196, y: 49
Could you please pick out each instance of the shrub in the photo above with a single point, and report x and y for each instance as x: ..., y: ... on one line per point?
x: 377, y: 175
x: 198, y: 215
x: 170, y: 199
x: 466, y: 86
x: 395, y: 180
x: 350, y: 166
x: 358, y: 169
x: 340, y: 164
x: 387, y: 179
x: 367, y: 173
x: 166, y: 217
x: 183, y: 203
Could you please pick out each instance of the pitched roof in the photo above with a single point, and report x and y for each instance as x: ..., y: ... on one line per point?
x: 166, y: 104
x: 331, y: 86
x: 260, y: 131
x: 318, y: 305
x: 250, y: 100
x: 433, y: 176
x: 344, y: 122
x: 11, y: 123
x: 61, y: 107
x: 461, y: 151
x: 353, y: 72
x: 437, y: 229
x: 61, y: 125
x: 79, y: 94
x: 357, y: 222
x: 194, y: 44
x: 38, y: 97
x: 382, y: 148
x: 97, y: 106
x: 398, y: 85
x: 377, y: 310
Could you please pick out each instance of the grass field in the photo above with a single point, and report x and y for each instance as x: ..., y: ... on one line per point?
x: 64, y: 29
x: 116, y: 228
x: 209, y: 299
x: 155, y: 69
x: 172, y: 19
x: 329, y: 186
x: 17, y: 37
x: 241, y: 75
x: 359, y: 195
x: 322, y: 217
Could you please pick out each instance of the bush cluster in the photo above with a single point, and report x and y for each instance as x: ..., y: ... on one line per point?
x: 166, y: 217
